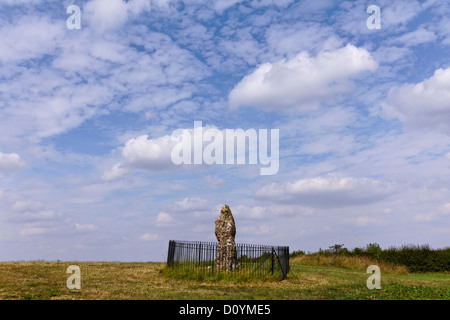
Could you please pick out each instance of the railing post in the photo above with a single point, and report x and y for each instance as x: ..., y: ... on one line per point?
x: 272, y: 258
x: 191, y: 255
x: 170, y: 253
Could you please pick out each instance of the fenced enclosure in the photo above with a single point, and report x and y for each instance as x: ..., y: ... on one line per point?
x: 200, y: 256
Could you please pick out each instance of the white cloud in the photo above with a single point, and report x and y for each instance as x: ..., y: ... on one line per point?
x: 115, y: 173
x: 390, y: 54
x: 303, y: 81
x: 190, y: 205
x: 416, y: 37
x: 106, y: 15
x: 103, y: 15
x: 395, y: 15
x: 164, y: 217
x: 85, y: 227
x: 30, y: 231
x: 425, y: 105
x: 221, y: 5
x: 257, y: 230
x: 149, y: 237
x: 27, y: 38
x: 22, y: 205
x: 280, y: 3
x: 83, y: 71
x: 443, y: 30
x: 243, y: 212
x: 331, y: 191
x: 366, y: 220
x: 287, y: 40
x: 10, y: 163
x: 329, y: 143
x: 30, y: 216
x: 41, y: 215
x: 150, y: 154
x: 215, y: 181
x: 20, y: 2
x: 445, y: 208
x: 40, y: 227
x: 425, y: 217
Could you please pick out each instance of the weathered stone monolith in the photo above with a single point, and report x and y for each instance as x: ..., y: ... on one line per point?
x: 225, y: 231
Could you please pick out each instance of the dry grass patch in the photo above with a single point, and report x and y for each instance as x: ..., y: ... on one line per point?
x: 353, y: 263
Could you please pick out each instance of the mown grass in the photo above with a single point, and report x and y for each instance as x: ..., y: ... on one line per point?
x: 306, y: 280
x: 216, y: 277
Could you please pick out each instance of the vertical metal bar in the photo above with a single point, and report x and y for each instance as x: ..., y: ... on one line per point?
x: 272, y: 258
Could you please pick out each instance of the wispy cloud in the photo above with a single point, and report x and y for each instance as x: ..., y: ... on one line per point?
x: 331, y: 191
x: 86, y: 118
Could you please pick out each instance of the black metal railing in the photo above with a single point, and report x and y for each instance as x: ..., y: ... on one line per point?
x: 200, y: 256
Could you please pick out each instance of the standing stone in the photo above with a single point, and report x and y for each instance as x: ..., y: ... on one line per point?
x: 226, y: 247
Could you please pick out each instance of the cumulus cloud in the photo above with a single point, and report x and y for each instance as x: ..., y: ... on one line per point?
x: 303, y: 81
x: 256, y: 212
x: 425, y: 105
x: 163, y: 217
x: 331, y: 191
x: 29, y: 216
x: 155, y: 154
x: 10, y: 163
x: 145, y: 153
x: 150, y: 154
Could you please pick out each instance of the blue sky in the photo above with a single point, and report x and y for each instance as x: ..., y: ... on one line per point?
x: 87, y: 116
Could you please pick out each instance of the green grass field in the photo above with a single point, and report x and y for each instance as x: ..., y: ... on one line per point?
x: 307, y: 279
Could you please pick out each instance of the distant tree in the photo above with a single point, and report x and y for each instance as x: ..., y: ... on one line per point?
x: 336, y: 249
x: 373, y: 250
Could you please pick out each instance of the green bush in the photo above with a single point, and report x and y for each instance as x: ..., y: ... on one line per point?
x: 357, y: 252
x: 373, y: 251
x: 297, y: 253
x: 418, y: 258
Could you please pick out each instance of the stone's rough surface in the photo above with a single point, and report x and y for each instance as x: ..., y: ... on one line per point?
x: 226, y: 247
